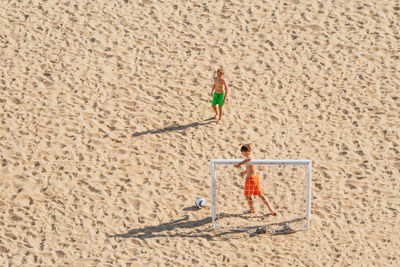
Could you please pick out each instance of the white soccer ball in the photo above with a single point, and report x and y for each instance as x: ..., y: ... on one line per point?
x: 200, y: 202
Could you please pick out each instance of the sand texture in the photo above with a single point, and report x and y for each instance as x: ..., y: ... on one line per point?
x: 107, y: 131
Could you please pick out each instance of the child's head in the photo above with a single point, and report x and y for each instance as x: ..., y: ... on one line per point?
x: 220, y: 71
x: 245, y: 149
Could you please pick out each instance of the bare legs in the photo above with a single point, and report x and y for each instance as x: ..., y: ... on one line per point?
x: 216, y: 112
x: 250, y: 201
x: 251, y: 205
x: 220, y: 113
x: 215, y: 109
x: 267, y: 204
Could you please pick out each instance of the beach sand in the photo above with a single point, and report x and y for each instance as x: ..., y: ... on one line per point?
x: 106, y: 129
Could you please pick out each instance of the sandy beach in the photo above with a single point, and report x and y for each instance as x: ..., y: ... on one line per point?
x: 107, y: 130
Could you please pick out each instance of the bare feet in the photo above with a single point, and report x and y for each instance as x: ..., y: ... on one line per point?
x: 216, y: 115
x: 273, y: 213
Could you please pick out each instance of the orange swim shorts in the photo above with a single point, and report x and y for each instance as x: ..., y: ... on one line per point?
x: 252, y: 186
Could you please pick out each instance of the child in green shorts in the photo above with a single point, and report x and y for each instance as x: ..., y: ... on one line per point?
x: 219, y: 93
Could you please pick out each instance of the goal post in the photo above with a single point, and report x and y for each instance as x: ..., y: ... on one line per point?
x: 214, y: 192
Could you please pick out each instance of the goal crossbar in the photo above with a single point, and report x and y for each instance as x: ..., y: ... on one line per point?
x: 262, y: 161
x: 307, y: 162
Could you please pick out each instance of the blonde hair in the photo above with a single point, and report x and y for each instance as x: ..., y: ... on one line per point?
x: 221, y: 70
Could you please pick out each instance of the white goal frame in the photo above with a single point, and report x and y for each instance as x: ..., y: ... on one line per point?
x: 307, y: 162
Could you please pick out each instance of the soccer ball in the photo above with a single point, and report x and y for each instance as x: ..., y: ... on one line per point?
x: 200, y: 202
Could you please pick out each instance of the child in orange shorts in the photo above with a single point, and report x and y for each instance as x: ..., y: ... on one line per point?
x: 252, y: 184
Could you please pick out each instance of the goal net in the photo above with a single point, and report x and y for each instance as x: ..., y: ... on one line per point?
x: 286, y: 184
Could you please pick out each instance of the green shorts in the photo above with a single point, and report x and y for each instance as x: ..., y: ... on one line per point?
x: 218, y: 99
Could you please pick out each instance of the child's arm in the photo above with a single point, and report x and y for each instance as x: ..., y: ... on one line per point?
x: 243, y: 162
x: 226, y: 92
x: 213, y: 89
